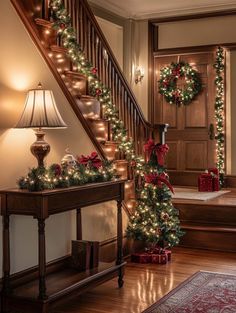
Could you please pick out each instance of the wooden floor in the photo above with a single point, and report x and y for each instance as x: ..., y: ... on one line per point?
x: 145, y: 284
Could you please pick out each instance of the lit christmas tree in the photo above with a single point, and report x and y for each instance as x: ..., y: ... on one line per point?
x: 155, y: 219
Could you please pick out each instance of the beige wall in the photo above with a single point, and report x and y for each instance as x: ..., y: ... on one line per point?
x: 114, y: 35
x: 206, y: 31
x: 139, y: 37
x: 21, y: 68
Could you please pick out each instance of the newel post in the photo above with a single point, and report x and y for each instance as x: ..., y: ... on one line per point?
x: 162, y: 133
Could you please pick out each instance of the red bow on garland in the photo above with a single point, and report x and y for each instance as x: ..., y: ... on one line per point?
x: 91, y: 160
x: 160, y: 151
x: 157, y: 180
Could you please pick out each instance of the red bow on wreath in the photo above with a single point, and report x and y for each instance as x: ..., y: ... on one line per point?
x: 157, y: 180
x: 160, y: 151
x: 91, y: 160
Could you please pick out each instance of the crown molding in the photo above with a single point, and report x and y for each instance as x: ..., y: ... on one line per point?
x: 118, y: 10
x: 182, y: 12
x: 113, y: 8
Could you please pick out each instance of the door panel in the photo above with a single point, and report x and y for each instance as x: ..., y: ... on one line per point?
x: 171, y: 159
x: 195, y: 155
x: 190, y: 146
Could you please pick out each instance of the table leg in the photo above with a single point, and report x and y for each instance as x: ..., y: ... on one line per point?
x: 42, y: 259
x: 78, y: 224
x: 6, y: 255
x: 119, y: 259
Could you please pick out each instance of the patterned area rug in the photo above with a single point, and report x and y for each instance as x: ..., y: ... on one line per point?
x: 194, y: 194
x: 204, y: 292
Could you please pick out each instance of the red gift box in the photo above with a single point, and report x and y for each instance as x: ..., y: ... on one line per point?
x: 205, y: 182
x: 160, y: 255
x: 209, y: 181
x: 168, y: 252
x: 141, y: 257
x: 215, y: 178
x: 159, y: 258
x: 216, y: 183
x: 213, y: 170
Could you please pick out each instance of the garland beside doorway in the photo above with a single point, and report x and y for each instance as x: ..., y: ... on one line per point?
x: 219, y: 113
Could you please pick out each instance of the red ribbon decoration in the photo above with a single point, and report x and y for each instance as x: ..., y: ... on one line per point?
x: 149, y: 147
x: 157, y: 180
x: 161, y: 151
x: 91, y: 159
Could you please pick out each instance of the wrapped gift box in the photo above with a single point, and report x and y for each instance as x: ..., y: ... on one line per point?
x: 159, y: 258
x: 141, y: 257
x: 80, y: 255
x: 209, y: 181
x: 215, y: 178
x: 156, y: 256
x: 216, y: 183
x: 205, y: 182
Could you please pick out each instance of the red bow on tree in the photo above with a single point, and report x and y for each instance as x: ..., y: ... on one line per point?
x: 92, y: 160
x: 157, y: 180
x: 149, y: 147
x: 161, y: 151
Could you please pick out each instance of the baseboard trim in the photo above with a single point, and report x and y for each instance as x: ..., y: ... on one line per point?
x: 107, y: 254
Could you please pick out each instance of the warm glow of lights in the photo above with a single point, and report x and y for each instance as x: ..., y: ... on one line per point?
x: 60, y: 60
x: 20, y: 81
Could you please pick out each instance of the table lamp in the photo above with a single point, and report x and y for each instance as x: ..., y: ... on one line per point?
x: 40, y: 112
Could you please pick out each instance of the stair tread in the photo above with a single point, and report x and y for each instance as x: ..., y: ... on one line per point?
x: 88, y: 97
x: 121, y: 161
x: 56, y: 48
x: 74, y: 73
x: 42, y: 22
x: 208, y: 227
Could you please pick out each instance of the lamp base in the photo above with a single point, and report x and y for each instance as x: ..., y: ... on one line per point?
x: 40, y: 148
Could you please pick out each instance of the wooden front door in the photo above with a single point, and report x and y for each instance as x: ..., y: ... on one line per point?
x: 188, y: 136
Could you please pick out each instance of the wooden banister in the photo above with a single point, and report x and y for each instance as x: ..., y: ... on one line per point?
x: 98, y: 52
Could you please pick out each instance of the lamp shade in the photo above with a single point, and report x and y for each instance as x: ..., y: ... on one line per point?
x: 40, y: 110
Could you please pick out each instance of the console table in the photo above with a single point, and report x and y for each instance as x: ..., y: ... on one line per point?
x: 35, y: 289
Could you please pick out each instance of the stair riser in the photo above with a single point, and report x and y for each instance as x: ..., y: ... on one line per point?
x: 89, y: 107
x: 100, y: 129
x: 111, y: 151
x: 129, y: 190
x: 121, y: 167
x: 77, y: 87
x: 207, y: 214
x: 61, y: 62
x: 211, y: 240
x: 47, y: 35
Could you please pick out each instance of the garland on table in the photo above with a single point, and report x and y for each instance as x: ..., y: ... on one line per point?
x: 87, y: 169
x: 169, y: 76
x: 219, y: 112
x: 62, y: 24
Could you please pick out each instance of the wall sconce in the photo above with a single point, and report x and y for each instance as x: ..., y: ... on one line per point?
x: 40, y: 112
x: 138, y: 74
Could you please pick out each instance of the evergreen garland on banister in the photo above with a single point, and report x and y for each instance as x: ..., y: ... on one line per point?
x: 161, y: 223
x: 63, y: 26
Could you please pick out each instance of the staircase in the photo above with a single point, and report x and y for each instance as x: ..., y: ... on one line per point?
x: 38, y: 21
x: 209, y: 224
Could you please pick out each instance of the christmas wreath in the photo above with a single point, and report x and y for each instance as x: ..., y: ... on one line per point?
x: 168, y: 83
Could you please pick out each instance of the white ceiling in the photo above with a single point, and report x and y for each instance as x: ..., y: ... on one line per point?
x: 141, y: 9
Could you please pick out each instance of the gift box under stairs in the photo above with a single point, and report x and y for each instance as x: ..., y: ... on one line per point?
x: 209, y: 224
